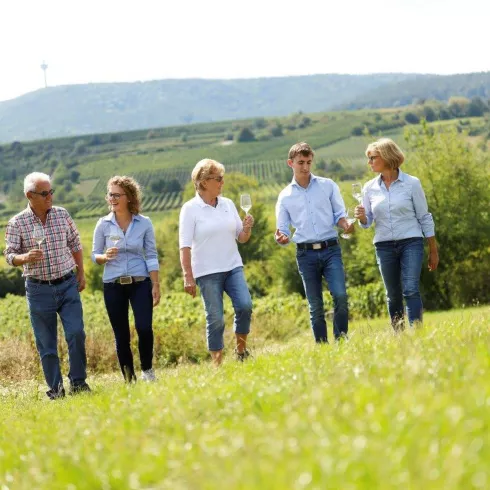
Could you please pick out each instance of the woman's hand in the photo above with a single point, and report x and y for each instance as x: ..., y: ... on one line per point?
x: 190, y: 285
x: 155, y: 292
x: 111, y: 253
x: 248, y: 223
x: 360, y: 214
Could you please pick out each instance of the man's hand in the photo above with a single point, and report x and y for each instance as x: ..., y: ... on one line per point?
x: 81, y: 280
x: 34, y: 255
x: 280, y: 237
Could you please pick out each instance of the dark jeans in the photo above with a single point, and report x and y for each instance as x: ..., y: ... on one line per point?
x: 117, y: 298
x: 313, y: 266
x: 400, y: 264
x: 44, y: 302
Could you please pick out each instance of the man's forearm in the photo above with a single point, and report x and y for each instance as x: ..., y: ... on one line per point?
x: 78, y: 257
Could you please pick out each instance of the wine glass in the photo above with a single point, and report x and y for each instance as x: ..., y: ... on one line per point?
x: 348, y: 212
x: 38, y: 235
x: 357, y: 192
x: 115, y: 238
x: 245, y: 202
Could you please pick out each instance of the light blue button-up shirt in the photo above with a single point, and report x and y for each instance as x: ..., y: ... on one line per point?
x: 313, y: 211
x: 137, y: 254
x: 398, y: 212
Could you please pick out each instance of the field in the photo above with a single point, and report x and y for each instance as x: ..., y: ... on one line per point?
x: 379, y: 411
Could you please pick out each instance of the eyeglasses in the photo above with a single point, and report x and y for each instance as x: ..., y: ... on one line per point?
x: 372, y: 158
x: 218, y: 178
x: 114, y: 195
x: 45, y: 194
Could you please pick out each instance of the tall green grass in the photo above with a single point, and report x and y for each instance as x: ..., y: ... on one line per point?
x: 381, y: 411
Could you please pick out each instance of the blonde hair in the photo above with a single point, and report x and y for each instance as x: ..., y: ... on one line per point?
x: 203, y: 170
x: 132, y: 190
x: 388, y: 150
x: 300, y: 149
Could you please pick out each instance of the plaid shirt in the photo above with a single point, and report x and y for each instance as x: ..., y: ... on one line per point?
x: 62, y: 240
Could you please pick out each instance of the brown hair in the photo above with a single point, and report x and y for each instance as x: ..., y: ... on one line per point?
x: 132, y: 190
x: 203, y: 169
x: 300, y: 149
x: 388, y: 150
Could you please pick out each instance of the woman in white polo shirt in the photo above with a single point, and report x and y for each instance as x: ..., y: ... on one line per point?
x: 208, y: 231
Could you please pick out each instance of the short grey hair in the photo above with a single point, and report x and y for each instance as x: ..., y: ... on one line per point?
x: 31, y: 181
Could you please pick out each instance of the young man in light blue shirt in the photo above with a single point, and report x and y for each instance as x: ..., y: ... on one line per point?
x: 314, y: 207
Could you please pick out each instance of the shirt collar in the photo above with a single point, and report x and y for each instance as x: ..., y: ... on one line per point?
x: 295, y: 182
x: 401, y: 177
x: 201, y: 202
x: 112, y: 217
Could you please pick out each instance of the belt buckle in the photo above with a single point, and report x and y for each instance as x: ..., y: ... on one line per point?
x: 316, y: 246
x: 125, y: 280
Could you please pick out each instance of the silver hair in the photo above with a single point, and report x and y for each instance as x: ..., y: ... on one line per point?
x: 32, y: 180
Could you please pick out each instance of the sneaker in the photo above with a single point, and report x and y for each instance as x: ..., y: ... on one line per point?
x: 241, y: 356
x: 148, y: 376
x: 80, y: 388
x: 53, y: 394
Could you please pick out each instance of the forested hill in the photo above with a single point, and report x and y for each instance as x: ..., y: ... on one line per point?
x: 405, y: 92
x: 111, y: 107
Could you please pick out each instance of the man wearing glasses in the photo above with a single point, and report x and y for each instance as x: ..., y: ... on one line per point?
x: 44, y: 240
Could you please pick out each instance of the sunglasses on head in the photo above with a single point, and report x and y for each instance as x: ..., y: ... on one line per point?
x: 45, y: 194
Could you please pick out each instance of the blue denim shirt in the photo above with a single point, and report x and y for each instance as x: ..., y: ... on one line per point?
x: 313, y: 211
x: 137, y: 254
x: 398, y: 212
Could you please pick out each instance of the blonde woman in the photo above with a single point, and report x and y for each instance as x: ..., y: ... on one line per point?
x: 209, y: 229
x: 124, y: 242
x: 395, y: 202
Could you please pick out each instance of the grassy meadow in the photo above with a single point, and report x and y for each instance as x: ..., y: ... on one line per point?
x: 380, y: 411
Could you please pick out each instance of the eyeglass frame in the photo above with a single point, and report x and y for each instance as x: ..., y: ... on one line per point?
x: 44, y: 194
x: 115, y: 195
x: 372, y: 158
x: 218, y: 178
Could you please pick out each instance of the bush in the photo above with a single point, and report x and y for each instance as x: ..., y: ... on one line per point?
x: 246, y: 135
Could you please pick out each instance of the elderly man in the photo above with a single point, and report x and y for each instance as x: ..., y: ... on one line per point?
x: 44, y: 240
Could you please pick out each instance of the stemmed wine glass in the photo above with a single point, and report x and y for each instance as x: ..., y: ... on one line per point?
x: 245, y: 202
x: 115, y: 238
x: 38, y: 235
x: 348, y: 213
x: 357, y: 192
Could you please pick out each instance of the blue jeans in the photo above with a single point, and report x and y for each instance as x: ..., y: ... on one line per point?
x: 212, y: 287
x: 313, y: 266
x: 117, y: 298
x: 44, y: 302
x: 400, y: 264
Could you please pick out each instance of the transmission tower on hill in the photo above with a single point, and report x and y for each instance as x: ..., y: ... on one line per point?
x: 44, y: 67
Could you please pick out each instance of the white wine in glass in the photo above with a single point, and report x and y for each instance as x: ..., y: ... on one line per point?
x: 245, y: 202
x: 357, y: 192
x: 38, y: 235
x: 115, y: 239
x: 350, y: 220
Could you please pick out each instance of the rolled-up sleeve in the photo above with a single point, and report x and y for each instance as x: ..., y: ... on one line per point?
x: 422, y: 210
x: 338, y: 206
x: 366, y: 202
x: 73, y: 237
x: 13, y: 241
x: 98, y: 240
x: 150, y: 247
x: 186, y: 226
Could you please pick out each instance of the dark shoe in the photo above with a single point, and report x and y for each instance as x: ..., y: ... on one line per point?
x: 80, y: 388
x: 241, y: 356
x: 53, y: 394
x: 129, y: 375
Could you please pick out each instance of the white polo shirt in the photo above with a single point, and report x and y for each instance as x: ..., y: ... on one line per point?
x: 211, y: 233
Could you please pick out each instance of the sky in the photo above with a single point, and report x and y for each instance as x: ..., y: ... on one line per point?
x: 124, y: 41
